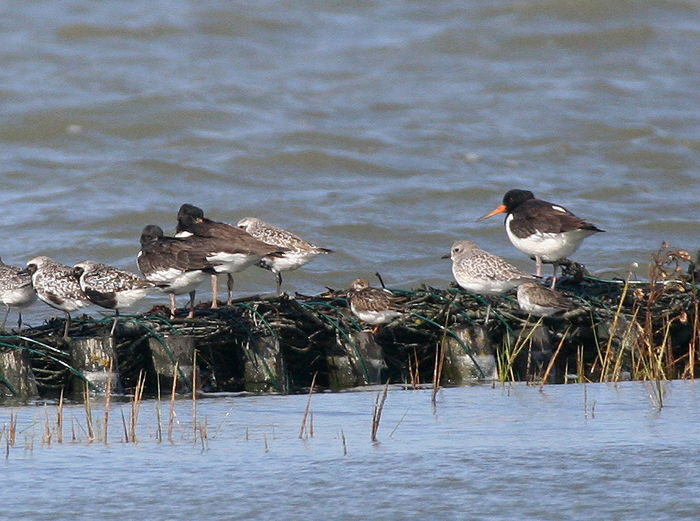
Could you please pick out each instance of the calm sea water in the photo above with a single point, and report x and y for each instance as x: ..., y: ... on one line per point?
x: 602, y: 451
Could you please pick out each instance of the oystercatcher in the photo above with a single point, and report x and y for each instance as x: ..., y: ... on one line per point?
x: 241, y: 249
x: 544, y: 230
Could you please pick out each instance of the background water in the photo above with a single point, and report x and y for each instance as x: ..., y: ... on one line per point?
x: 381, y: 129
x: 602, y: 451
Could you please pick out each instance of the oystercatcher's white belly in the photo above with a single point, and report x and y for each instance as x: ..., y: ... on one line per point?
x: 179, y: 282
x: 232, y: 262
x: 549, y: 246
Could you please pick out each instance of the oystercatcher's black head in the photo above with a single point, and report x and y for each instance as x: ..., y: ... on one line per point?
x: 515, y: 197
x: 151, y: 234
x: 188, y: 216
x: 511, y: 200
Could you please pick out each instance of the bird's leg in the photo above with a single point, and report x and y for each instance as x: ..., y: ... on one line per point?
x: 19, y: 321
x: 375, y: 329
x: 114, y: 325
x: 229, y: 284
x: 7, y: 313
x: 173, y: 306
x: 214, y: 291
x: 278, y: 277
x: 67, y: 328
x: 538, y: 265
x: 554, y: 274
x: 191, y: 313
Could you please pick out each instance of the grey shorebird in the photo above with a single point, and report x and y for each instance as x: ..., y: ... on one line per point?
x: 484, y: 273
x: 16, y: 290
x: 373, y: 306
x: 111, y: 287
x: 540, y: 301
x: 298, y: 253
x: 56, y: 285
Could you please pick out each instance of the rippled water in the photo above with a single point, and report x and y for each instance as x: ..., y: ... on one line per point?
x: 379, y: 129
x: 602, y: 451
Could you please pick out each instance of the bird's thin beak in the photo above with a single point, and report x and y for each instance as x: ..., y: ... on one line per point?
x: 500, y: 209
x: 446, y: 256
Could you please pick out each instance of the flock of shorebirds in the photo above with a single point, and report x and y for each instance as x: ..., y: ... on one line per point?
x: 202, y: 247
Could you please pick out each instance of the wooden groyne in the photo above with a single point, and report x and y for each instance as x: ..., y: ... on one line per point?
x: 619, y: 330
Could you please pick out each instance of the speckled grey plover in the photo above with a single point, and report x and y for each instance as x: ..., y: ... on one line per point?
x: 240, y: 249
x: 374, y: 306
x: 111, y: 287
x: 300, y: 251
x: 540, y: 301
x: 484, y: 273
x: 549, y: 232
x: 16, y: 290
x: 178, y: 264
x: 56, y: 285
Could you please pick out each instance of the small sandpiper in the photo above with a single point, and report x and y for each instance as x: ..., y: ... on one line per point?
x: 299, y: 251
x: 373, y: 306
x: 111, y: 287
x: 540, y: 301
x: 546, y: 231
x: 16, y: 290
x: 241, y: 250
x: 56, y: 285
x: 179, y: 264
x: 484, y: 273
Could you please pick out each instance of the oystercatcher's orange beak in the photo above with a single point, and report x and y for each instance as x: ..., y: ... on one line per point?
x: 500, y: 209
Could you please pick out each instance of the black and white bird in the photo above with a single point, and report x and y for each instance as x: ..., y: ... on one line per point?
x: 299, y: 251
x: 547, y: 231
x: 111, y: 287
x: 177, y: 265
x: 484, y: 273
x: 239, y: 250
x: 56, y: 285
x: 16, y: 290
x: 374, y: 306
x: 540, y: 301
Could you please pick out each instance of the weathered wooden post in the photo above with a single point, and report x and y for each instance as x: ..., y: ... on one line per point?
x: 94, y: 357
x: 470, y: 358
x: 355, y: 362
x: 265, y: 369
x: 169, y: 351
x: 16, y: 377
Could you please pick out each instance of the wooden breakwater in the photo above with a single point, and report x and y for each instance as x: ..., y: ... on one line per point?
x: 277, y: 344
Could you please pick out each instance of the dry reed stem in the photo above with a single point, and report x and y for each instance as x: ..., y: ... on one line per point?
x: 88, y: 414
x: 136, y: 405
x: 377, y: 413
x: 194, y: 397
x: 108, y: 399
x: 47, y: 427
x: 344, y: 442
x: 171, y: 418
x: 159, y: 418
x: 306, y: 410
x: 59, y: 419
